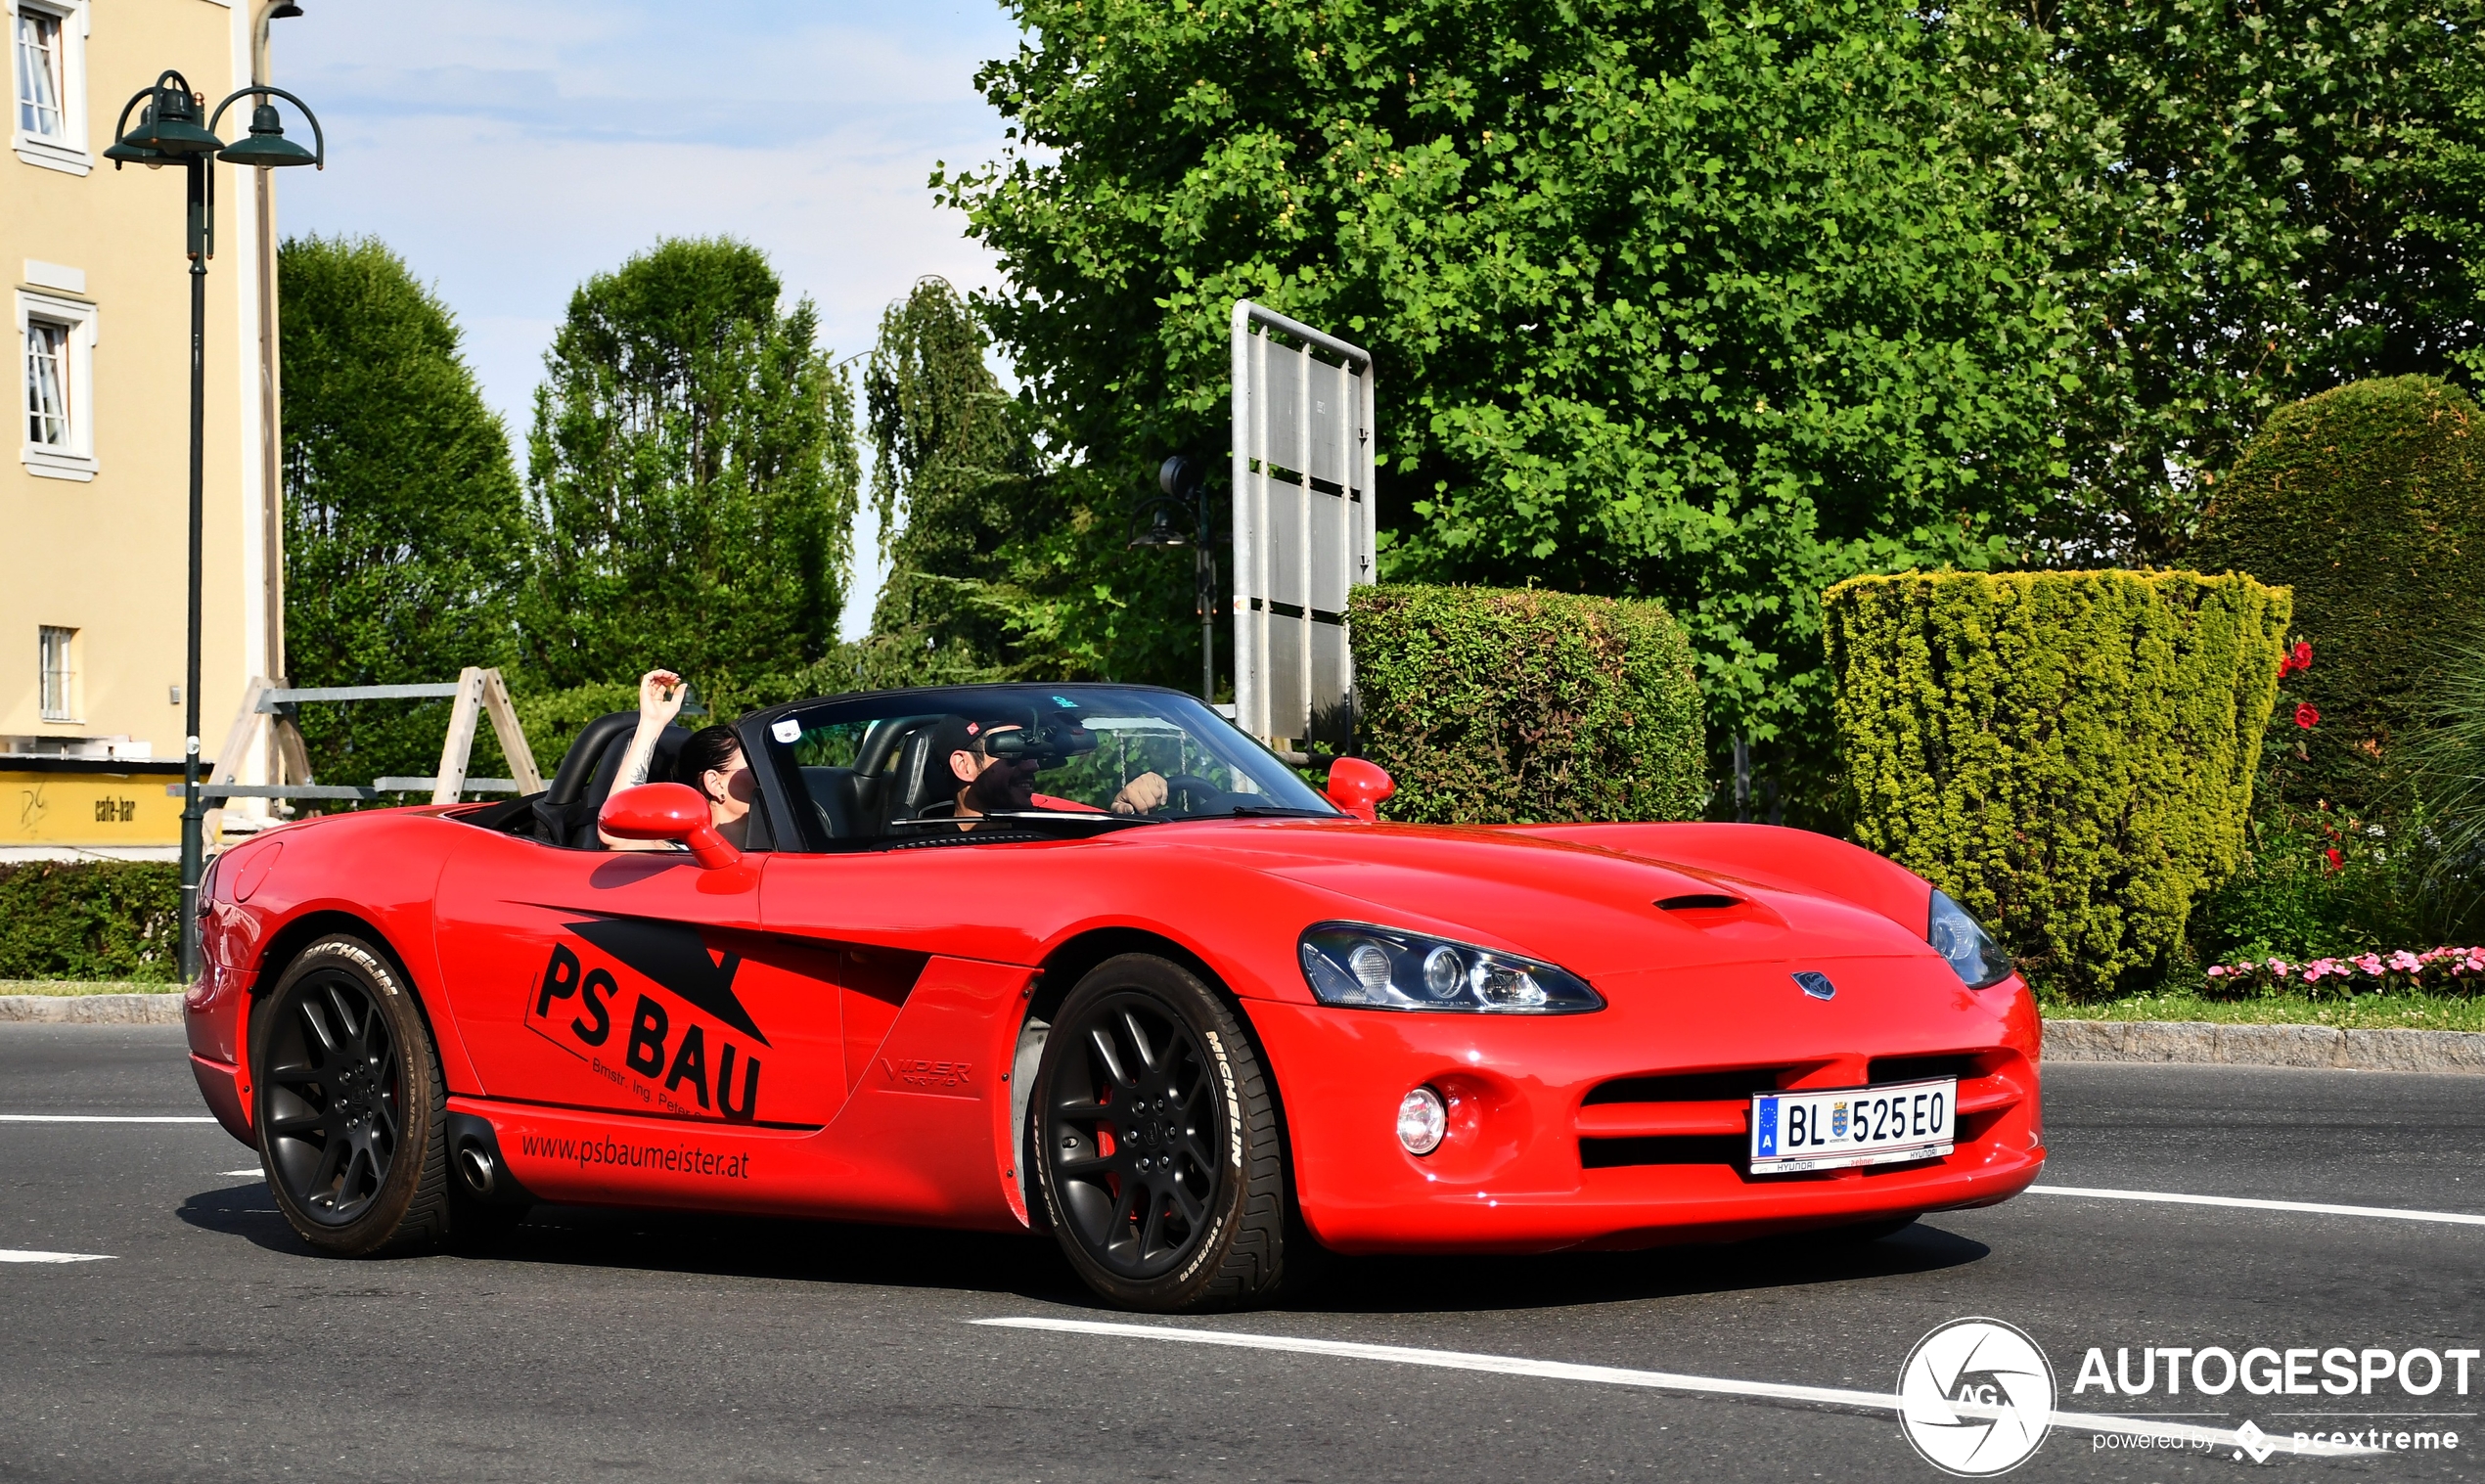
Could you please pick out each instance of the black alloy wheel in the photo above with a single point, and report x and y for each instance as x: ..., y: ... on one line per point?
x: 1157, y: 1142
x: 350, y: 1103
x: 335, y: 1099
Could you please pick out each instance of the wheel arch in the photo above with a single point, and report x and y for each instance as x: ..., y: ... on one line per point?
x: 287, y: 945
x: 1070, y: 961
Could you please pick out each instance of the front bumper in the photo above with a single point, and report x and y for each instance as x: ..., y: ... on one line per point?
x: 1624, y: 1128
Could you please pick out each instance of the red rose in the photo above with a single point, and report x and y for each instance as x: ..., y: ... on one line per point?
x: 2301, y: 656
x: 2334, y: 857
x: 2305, y: 716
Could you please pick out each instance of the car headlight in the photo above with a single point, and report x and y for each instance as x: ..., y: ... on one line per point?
x: 1384, y: 968
x: 1973, y: 956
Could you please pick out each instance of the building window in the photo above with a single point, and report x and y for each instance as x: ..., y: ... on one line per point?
x: 58, y: 339
x: 47, y: 42
x: 40, y: 73
x: 60, y: 673
x: 47, y: 384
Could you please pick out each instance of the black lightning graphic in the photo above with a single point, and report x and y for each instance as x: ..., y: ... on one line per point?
x: 674, y: 956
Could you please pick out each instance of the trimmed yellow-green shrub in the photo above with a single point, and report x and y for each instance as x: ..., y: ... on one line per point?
x: 2070, y: 755
x: 2368, y: 500
x: 1490, y: 705
x: 90, y: 920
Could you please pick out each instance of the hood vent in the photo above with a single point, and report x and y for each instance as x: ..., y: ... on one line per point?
x: 1697, y: 901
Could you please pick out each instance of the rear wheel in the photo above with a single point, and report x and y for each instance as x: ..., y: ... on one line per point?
x: 1158, y: 1142
x: 351, y: 1104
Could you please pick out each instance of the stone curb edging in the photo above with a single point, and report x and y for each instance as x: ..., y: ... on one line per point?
x: 93, y: 1010
x: 2160, y: 1041
x: 2308, y: 1046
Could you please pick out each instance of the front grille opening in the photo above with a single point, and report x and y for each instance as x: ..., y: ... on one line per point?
x: 1728, y: 1086
x: 1962, y: 1065
x: 1689, y: 1148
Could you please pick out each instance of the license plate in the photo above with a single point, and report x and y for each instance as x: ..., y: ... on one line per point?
x: 1796, y: 1132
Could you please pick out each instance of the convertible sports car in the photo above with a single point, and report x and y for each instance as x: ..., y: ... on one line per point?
x: 1157, y: 995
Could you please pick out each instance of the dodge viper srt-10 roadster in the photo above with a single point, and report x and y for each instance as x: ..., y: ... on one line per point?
x: 1149, y: 992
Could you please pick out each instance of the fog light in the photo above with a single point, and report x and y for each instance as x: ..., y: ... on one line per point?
x: 1421, y: 1121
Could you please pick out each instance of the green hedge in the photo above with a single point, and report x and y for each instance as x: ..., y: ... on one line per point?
x: 1490, y: 707
x: 102, y: 920
x: 2369, y: 500
x: 2068, y: 754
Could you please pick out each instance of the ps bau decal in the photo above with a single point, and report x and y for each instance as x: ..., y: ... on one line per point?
x: 674, y: 1034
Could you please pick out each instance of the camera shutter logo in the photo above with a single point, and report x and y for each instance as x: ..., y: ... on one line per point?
x: 1977, y: 1397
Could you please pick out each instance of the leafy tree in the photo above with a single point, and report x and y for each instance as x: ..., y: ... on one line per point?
x: 692, y: 476
x: 403, y: 528
x: 1722, y: 304
x: 953, y: 473
x: 1669, y: 298
x: 1000, y: 562
x: 2245, y: 202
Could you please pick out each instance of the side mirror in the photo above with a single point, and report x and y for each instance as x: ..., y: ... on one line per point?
x: 1358, y: 788
x: 667, y: 812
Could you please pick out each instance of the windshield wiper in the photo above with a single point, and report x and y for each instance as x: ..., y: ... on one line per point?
x: 1272, y: 812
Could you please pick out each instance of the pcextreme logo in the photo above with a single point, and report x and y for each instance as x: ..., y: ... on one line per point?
x: 681, y: 1040
x: 1977, y: 1397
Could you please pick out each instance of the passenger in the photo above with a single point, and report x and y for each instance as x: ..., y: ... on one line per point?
x: 711, y: 762
x: 990, y: 784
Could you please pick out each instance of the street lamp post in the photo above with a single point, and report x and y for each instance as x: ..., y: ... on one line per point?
x: 169, y: 133
x: 1159, y: 521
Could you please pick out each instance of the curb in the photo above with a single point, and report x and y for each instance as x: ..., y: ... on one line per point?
x: 2203, y: 1042
x: 2165, y: 1042
x: 93, y: 1010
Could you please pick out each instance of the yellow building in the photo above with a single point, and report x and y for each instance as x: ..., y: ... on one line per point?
x: 94, y: 508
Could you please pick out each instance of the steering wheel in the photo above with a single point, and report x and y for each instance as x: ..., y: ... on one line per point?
x: 1199, y: 790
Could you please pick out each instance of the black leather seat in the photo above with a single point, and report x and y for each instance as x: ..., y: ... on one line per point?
x: 847, y: 801
x: 565, y: 814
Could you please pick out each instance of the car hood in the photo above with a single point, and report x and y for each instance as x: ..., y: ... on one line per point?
x: 1591, y: 911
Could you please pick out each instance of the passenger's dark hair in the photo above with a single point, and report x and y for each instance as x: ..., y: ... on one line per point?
x: 708, y: 750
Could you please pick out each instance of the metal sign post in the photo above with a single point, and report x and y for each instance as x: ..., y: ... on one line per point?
x: 1303, y: 462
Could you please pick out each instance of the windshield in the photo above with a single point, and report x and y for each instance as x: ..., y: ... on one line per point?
x: 992, y: 761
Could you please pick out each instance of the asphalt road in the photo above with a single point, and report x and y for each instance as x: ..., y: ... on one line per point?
x: 610, y: 1345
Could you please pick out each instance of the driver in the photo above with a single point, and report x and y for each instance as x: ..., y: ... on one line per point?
x: 990, y: 784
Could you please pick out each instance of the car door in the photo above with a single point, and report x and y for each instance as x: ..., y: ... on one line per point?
x: 636, y: 983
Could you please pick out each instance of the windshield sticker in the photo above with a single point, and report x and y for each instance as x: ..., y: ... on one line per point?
x: 787, y: 730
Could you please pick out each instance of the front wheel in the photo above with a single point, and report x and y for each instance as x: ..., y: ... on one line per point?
x: 1157, y: 1143
x: 351, y: 1104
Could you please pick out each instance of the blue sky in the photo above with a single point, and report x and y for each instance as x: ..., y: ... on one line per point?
x: 508, y: 150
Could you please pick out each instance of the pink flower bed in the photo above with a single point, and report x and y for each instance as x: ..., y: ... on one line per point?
x: 2436, y: 971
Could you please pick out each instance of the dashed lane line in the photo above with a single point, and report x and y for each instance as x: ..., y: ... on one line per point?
x: 1661, y: 1381
x: 252, y: 1170
x: 2310, y: 1207
x: 97, y: 1118
x: 20, y: 1255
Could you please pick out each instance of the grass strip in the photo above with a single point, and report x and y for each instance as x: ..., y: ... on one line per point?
x: 2403, y: 1012
x: 86, y: 987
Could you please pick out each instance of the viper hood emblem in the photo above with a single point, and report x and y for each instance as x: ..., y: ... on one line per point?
x: 1815, y: 983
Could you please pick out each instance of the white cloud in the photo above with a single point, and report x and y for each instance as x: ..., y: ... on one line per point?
x: 508, y: 152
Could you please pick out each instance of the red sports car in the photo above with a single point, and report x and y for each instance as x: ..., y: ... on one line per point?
x: 1157, y: 995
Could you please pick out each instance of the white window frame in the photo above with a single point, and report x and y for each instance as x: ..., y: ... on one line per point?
x: 60, y: 708
x: 76, y: 458
x: 67, y: 150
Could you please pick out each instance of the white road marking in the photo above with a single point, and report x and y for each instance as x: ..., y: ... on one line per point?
x: 16, y: 1255
x: 1663, y: 1380
x: 252, y: 1170
x: 91, y: 1118
x: 2318, y: 1208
